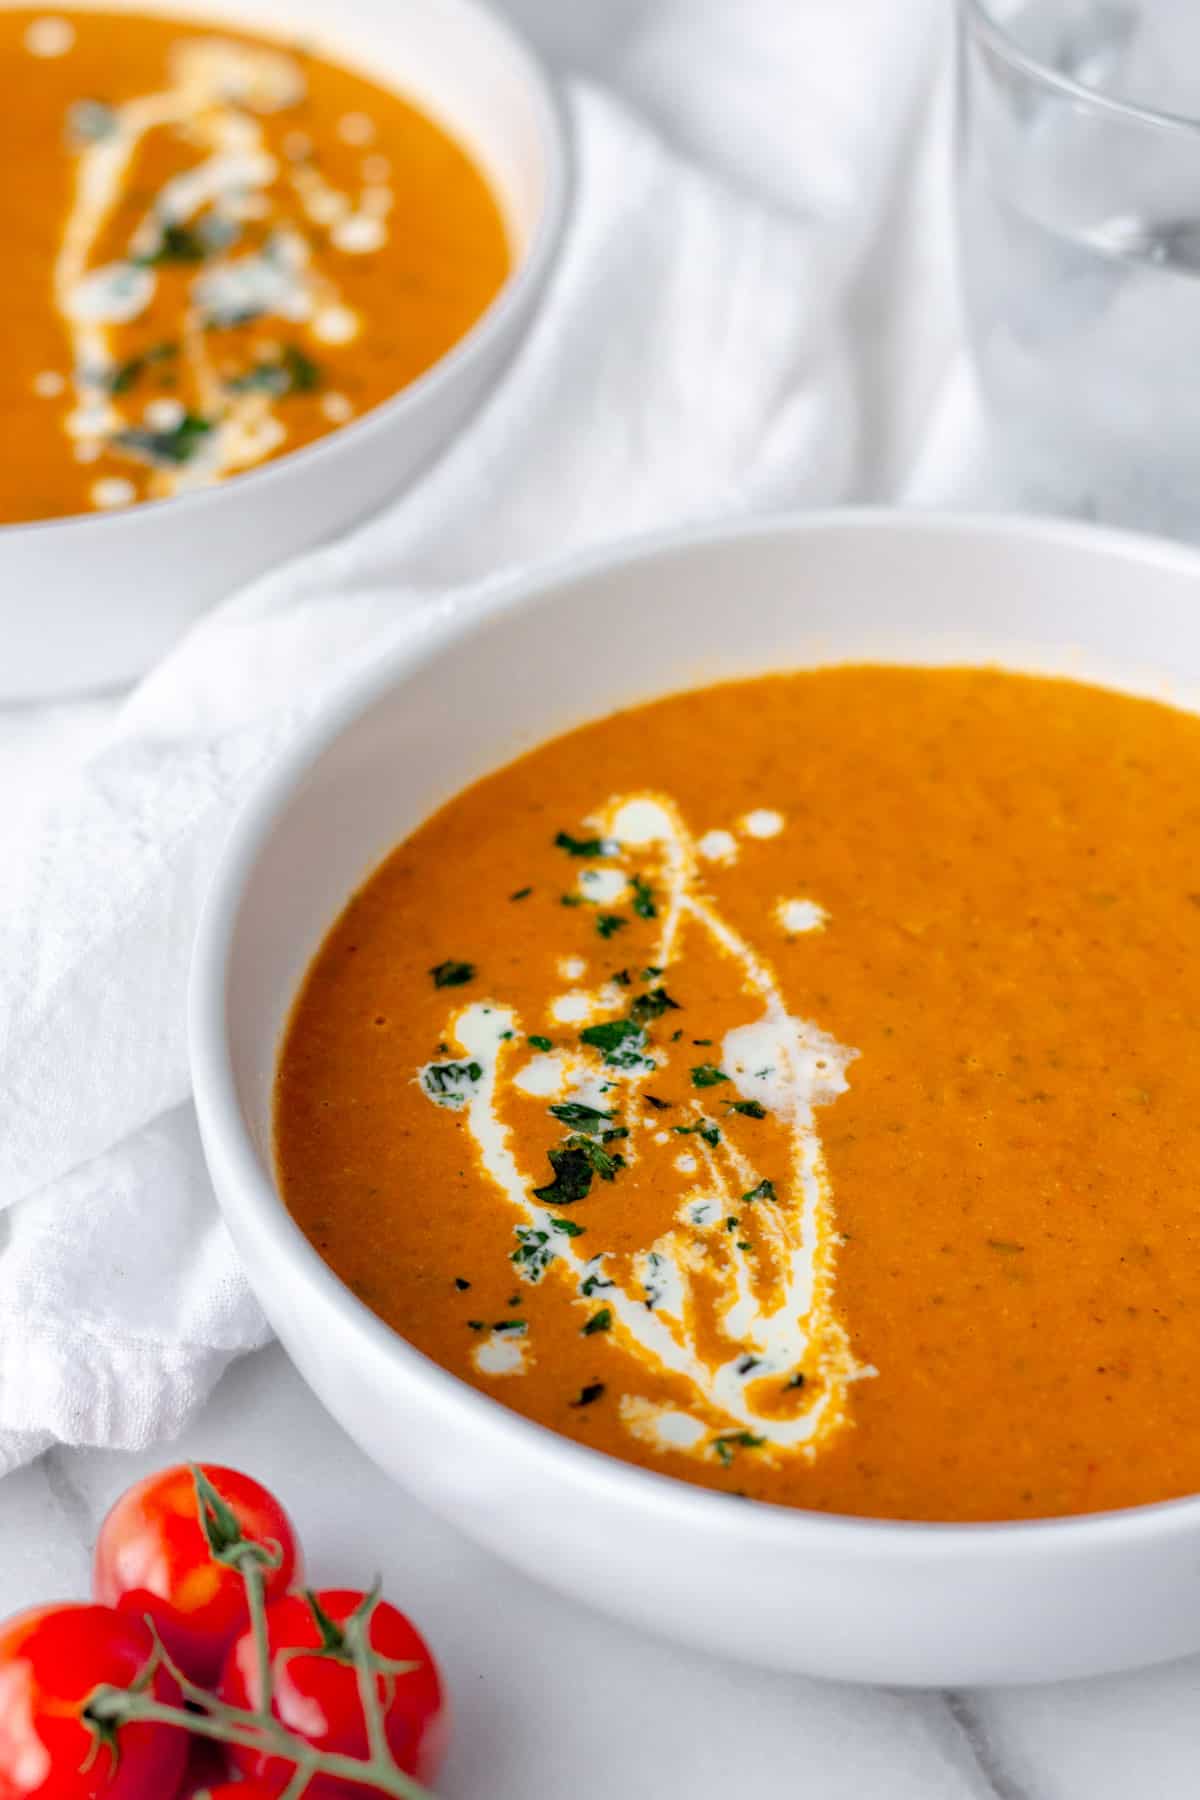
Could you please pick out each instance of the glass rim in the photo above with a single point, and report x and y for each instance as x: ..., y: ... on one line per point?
x: 978, y: 17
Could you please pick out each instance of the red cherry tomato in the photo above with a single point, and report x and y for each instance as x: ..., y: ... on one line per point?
x: 316, y: 1694
x: 153, y: 1557
x: 52, y: 1660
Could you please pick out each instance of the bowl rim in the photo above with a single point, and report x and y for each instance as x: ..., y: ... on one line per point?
x: 508, y: 304
x: 243, y: 1186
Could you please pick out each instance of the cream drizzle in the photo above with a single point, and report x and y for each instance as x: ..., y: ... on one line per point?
x: 790, y: 1067
x: 218, y: 92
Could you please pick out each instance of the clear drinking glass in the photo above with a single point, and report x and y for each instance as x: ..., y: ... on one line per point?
x: 1079, y: 212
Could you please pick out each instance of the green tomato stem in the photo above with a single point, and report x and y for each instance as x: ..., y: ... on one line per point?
x: 230, y: 1725
x: 256, y: 1604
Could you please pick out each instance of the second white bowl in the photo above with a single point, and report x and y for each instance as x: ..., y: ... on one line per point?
x: 89, y: 602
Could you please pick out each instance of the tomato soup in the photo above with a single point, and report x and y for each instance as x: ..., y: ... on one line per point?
x: 217, y: 248
x: 792, y: 1086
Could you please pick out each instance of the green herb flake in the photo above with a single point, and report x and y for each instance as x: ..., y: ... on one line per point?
x: 583, y: 1118
x: 656, y: 1103
x: 449, y: 1083
x: 621, y: 1040
x: 590, y: 847
x: 476, y: 1325
x: 176, y: 244
x: 516, y: 1326
x: 588, y: 1394
x: 572, y: 1178
x: 764, y: 1191
x: 568, y: 1227
x: 452, y: 974
x: 608, y: 923
x: 652, y: 972
x: 794, y: 1381
x: 643, y: 899
x: 174, y: 447
x: 541, y: 1043
x: 591, y: 1284
x: 600, y: 1161
x: 750, y: 1109
x: 570, y: 899
x: 291, y: 373
x: 533, y: 1254
x: 706, y: 1075
x: 702, y: 1128
x: 599, y: 1321
x: 731, y: 1223
x: 461, y: 1283
x: 730, y: 1441
x: 620, y: 977
x: 652, y: 1006
x: 521, y: 894
x: 120, y: 377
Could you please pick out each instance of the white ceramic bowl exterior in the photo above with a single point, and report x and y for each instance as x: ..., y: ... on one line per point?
x: 91, y: 601
x: 857, y: 1599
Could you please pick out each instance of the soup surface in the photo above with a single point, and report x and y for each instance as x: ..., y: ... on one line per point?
x: 792, y: 1086
x: 217, y: 248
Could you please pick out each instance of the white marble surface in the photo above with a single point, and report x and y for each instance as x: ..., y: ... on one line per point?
x: 555, y: 1703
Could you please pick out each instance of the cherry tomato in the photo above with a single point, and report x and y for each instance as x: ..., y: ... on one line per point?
x: 153, y: 1557
x: 316, y: 1694
x: 52, y: 1660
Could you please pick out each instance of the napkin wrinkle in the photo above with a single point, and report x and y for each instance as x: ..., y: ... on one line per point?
x: 691, y: 359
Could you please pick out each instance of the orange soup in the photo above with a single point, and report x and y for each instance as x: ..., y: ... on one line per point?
x: 217, y: 248
x: 791, y: 1086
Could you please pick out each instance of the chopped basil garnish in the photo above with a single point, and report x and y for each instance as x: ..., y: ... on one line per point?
x: 729, y: 1441
x: 706, y: 1075
x: 599, y: 1321
x: 541, y: 1043
x: 293, y: 373
x: 533, y: 1254
x: 703, y: 1128
x: 764, y: 1191
x: 750, y: 1109
x: 572, y: 1177
x: 643, y: 899
x: 608, y: 923
x: 656, y: 1103
x: 584, y: 1118
x: 652, y: 1006
x: 621, y: 1040
x: 176, y: 244
x: 452, y: 974
x: 587, y: 1394
x: 461, y: 1283
x: 583, y: 846
x: 521, y: 894
x: 121, y: 376
x: 175, y: 446
x: 450, y: 1083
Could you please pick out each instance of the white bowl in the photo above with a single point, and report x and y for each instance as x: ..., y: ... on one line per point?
x: 90, y: 601
x: 853, y: 1598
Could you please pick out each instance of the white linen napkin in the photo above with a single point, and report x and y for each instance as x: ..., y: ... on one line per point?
x: 705, y: 348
